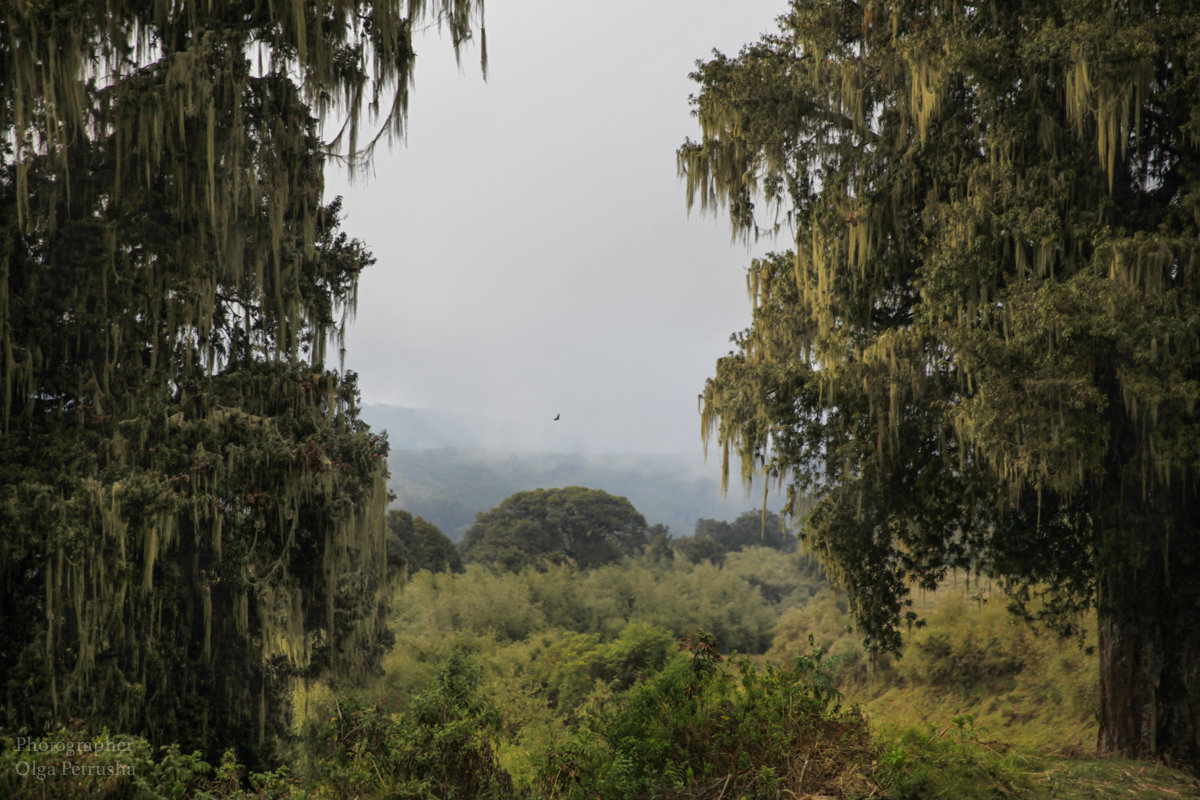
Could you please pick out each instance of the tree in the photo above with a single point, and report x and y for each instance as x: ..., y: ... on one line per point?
x: 191, y: 512
x: 713, y: 538
x: 587, y: 526
x: 658, y: 543
x: 442, y: 746
x: 750, y: 529
x: 983, y: 350
x: 760, y: 529
x: 415, y: 544
x: 702, y: 548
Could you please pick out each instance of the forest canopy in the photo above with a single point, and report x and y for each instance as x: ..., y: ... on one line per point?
x: 587, y: 527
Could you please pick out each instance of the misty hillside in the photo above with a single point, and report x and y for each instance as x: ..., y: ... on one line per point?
x: 447, y: 467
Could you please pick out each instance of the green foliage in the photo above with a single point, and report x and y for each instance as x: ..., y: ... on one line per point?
x: 698, y: 549
x: 551, y: 639
x: 440, y: 747
x: 700, y: 728
x: 658, y: 546
x: 73, y: 763
x: 713, y: 538
x: 750, y: 529
x: 478, y: 601
x: 825, y: 620
x: 450, y: 485
x: 191, y: 512
x: 587, y: 527
x: 617, y: 708
x: 670, y: 595
x: 956, y: 758
x: 173, y: 576
x: 571, y: 666
x: 981, y: 351
x: 414, y: 544
x: 952, y: 762
x: 1035, y: 689
x: 979, y: 653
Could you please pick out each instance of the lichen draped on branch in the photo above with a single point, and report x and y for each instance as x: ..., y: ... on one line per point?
x: 981, y: 350
x: 191, y: 513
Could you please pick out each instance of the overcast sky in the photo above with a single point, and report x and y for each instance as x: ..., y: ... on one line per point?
x: 535, y: 255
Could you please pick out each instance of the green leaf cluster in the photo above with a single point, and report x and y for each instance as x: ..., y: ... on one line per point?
x: 713, y: 538
x: 439, y: 747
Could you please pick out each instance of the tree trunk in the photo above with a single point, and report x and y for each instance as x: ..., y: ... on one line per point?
x: 1149, y: 638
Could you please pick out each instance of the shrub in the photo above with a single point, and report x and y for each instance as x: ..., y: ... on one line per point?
x: 77, y: 764
x: 440, y: 748
x: 573, y: 664
x: 974, y: 657
x: 976, y: 649
x: 701, y: 728
x: 951, y: 761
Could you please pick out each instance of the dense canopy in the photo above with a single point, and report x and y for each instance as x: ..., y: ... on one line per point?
x: 983, y: 350
x: 587, y: 527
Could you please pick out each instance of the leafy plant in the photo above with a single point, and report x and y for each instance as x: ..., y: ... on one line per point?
x: 440, y: 747
x: 705, y: 727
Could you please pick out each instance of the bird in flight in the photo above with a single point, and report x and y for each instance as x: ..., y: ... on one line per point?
x: 556, y: 416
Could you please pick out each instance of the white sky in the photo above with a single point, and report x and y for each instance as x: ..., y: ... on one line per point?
x: 535, y: 255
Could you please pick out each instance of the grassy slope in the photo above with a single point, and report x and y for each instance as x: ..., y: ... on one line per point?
x: 980, y: 706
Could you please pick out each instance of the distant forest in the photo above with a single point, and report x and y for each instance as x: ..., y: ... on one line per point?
x: 448, y: 467
x: 450, y: 486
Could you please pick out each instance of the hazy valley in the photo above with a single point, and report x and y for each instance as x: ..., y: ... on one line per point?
x: 447, y: 467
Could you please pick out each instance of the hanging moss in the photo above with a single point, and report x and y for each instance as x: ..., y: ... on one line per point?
x: 981, y: 348
x: 191, y: 514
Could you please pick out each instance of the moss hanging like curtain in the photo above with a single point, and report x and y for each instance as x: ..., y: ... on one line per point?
x: 982, y: 349
x: 191, y: 513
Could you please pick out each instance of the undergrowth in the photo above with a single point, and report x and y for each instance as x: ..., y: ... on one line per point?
x: 560, y: 685
x: 706, y: 729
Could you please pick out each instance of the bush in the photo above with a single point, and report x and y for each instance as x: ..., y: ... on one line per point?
x: 700, y: 728
x: 77, y: 764
x: 825, y: 620
x: 974, y: 657
x: 572, y: 665
x: 440, y: 748
x: 969, y: 650
x: 673, y: 596
x: 782, y: 580
x: 951, y: 761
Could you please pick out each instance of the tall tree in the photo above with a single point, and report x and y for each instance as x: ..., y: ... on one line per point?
x: 587, y: 526
x: 191, y: 512
x: 984, y: 349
